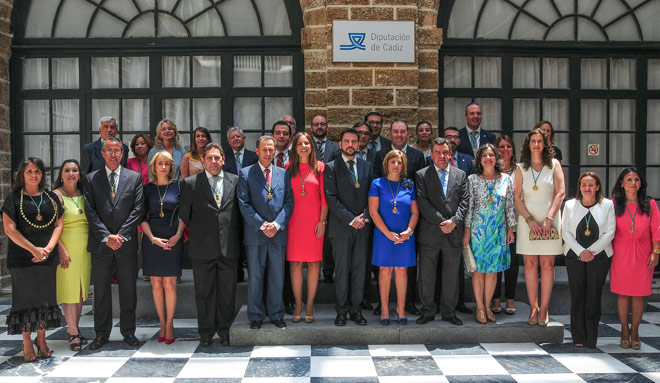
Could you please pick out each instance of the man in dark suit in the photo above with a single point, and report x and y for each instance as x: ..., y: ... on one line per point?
x: 325, y: 149
x: 113, y: 205
x: 472, y: 135
x: 378, y: 142
x: 399, y: 134
x: 442, y: 197
x: 266, y: 202
x: 238, y: 157
x: 459, y: 160
x: 92, y: 156
x: 209, y: 207
x: 364, y: 133
x: 347, y: 182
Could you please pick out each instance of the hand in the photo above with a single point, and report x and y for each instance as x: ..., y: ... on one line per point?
x: 586, y: 256
x: 319, y: 230
x: 547, y: 227
x: 40, y: 254
x: 653, y: 260
x: 115, y: 241
x: 270, y: 229
x: 173, y: 240
x: 394, y: 237
x: 65, y: 260
x: 447, y: 226
x: 160, y: 242
x: 535, y: 229
x: 358, y: 222
x: 510, y: 237
x: 466, y: 237
x: 406, y: 234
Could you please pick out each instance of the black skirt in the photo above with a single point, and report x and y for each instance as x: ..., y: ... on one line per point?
x: 34, y: 303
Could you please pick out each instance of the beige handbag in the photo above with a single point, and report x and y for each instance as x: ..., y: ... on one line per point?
x: 468, y: 258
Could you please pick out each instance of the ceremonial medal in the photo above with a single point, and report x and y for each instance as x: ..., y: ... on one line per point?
x: 113, y: 194
x: 39, y: 217
x: 302, y: 181
x: 587, y: 221
x: 535, y: 188
x: 395, y: 210
x: 632, y: 229
x: 270, y: 196
x: 80, y: 211
x: 587, y: 232
x: 490, y: 201
x: 632, y: 218
x: 162, y: 214
x: 357, y: 185
x: 535, y: 178
x: 217, y: 199
x: 302, y: 193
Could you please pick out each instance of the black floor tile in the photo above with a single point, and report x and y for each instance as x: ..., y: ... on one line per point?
x: 405, y: 365
x: 615, y: 378
x: 456, y: 349
x: 285, y: 367
x: 642, y: 362
x: 355, y: 350
x: 531, y: 364
x: 152, y: 367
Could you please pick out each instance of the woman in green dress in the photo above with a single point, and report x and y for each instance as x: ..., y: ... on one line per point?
x: 75, y: 267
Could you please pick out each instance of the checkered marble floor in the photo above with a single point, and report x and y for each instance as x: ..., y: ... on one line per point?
x: 183, y: 361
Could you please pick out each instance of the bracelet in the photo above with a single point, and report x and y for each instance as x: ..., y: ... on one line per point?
x: 529, y: 219
x: 179, y: 233
x: 656, y: 251
x: 324, y: 221
x: 550, y: 218
x: 153, y: 239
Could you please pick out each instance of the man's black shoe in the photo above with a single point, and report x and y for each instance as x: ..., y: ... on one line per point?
x: 461, y: 308
x: 359, y: 319
x: 412, y: 309
x: 453, y: 320
x: 289, y: 308
x: 424, y: 319
x: 131, y: 340
x: 224, y: 340
x: 365, y: 305
x: 255, y: 324
x: 378, y: 310
x: 279, y: 323
x: 340, y: 320
x: 98, y: 342
x: 205, y: 341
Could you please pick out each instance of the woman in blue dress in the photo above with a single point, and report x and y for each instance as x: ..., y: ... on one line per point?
x: 393, y: 209
x: 489, y: 224
x: 162, y: 243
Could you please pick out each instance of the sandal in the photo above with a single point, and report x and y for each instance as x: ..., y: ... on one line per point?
x: 624, y: 343
x: 544, y: 322
x: 491, y: 316
x: 533, y: 317
x: 496, y: 308
x: 75, y: 346
x: 510, y: 310
x: 46, y: 353
x: 635, y: 344
x: 29, y: 357
x: 83, y: 340
x: 481, y: 316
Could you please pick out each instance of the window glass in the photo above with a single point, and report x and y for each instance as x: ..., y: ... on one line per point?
x: 247, y: 71
x: 106, y: 25
x: 593, y: 114
x: 176, y: 72
x: 556, y: 111
x: 178, y: 110
x: 206, y: 113
x: 555, y: 73
x: 36, y: 116
x: 491, y: 109
x: 169, y: 26
x: 653, y: 73
x: 102, y: 108
x: 587, y: 139
x: 40, y: 18
x: 278, y: 71
x: 65, y: 147
x: 653, y: 116
x: 277, y: 22
x: 65, y: 73
x: 35, y: 73
x: 594, y: 73
x: 622, y: 115
x: 623, y: 73
x: 243, y: 20
x: 622, y: 149
x: 526, y: 72
x: 457, y: 72
x: 487, y: 72
x: 135, y: 115
x: 275, y: 108
x: 462, y: 19
x: 105, y: 72
x: 206, y: 71
x: 247, y: 113
x: 37, y: 146
x: 454, y: 111
x: 135, y: 72
x: 72, y: 10
x: 526, y: 113
x: 66, y: 116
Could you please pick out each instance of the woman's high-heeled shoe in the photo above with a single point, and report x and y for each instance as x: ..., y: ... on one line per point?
x: 297, y: 318
x: 533, y: 317
x: 46, y: 353
x: 309, y: 318
x: 481, y: 316
x: 624, y: 343
x: 544, y: 322
x: 169, y: 341
x: 29, y: 357
x: 161, y: 339
x: 490, y: 315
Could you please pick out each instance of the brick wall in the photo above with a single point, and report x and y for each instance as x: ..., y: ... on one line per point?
x: 5, y: 142
x: 345, y: 92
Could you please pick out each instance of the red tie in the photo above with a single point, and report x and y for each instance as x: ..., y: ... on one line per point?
x: 453, y: 162
x: 267, y: 176
x: 280, y: 160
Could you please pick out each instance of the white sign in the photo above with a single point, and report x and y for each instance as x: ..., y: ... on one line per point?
x: 373, y: 41
x: 593, y: 150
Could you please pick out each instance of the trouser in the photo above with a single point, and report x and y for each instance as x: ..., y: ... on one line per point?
x: 350, y: 265
x: 429, y: 258
x: 510, y: 277
x: 126, y: 274
x: 328, y: 261
x: 267, y: 258
x: 215, y: 294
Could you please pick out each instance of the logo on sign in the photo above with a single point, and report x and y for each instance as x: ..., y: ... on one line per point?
x: 593, y: 149
x: 357, y: 42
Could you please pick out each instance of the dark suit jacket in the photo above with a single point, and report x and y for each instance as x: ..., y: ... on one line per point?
x: 385, y: 142
x: 435, y: 207
x: 416, y: 161
x: 249, y: 158
x: 331, y: 149
x: 91, y: 158
x: 257, y: 209
x: 344, y: 200
x: 106, y: 216
x: 485, y: 137
x: 213, y: 229
x: 464, y: 162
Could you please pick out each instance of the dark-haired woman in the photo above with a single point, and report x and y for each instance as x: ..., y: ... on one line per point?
x: 538, y: 192
x: 588, y: 225
x: 549, y: 131
x: 75, y: 268
x: 636, y: 250
x: 141, y: 144
x: 32, y: 219
x: 191, y: 163
x: 424, y: 132
x: 307, y: 223
x: 489, y: 223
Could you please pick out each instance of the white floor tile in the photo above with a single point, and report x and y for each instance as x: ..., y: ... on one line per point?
x: 412, y: 379
x: 142, y: 333
x: 178, y: 349
x: 185, y: 323
x: 60, y: 348
x: 469, y: 365
x: 649, y: 330
x: 563, y: 319
x: 398, y: 350
x: 653, y: 376
x: 214, y: 368
x: 653, y: 317
x: 342, y: 366
x: 592, y: 363
x: 88, y: 367
x: 547, y: 378
x: 277, y: 380
x: 20, y: 379
x: 281, y: 351
x: 611, y: 345
x: 513, y: 349
x: 140, y: 380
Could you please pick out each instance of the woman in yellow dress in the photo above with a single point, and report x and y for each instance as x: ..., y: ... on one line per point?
x: 75, y: 267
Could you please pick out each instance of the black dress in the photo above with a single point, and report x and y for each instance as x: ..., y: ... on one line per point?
x: 34, y: 303
x: 156, y: 261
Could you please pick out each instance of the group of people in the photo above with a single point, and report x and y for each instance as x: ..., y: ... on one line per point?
x: 364, y: 205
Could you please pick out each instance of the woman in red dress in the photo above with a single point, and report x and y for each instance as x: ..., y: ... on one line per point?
x: 636, y: 250
x: 307, y: 223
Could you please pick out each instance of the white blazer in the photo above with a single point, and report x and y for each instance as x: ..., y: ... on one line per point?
x: 602, y: 213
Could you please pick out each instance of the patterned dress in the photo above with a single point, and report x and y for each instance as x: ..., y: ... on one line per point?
x: 489, y: 222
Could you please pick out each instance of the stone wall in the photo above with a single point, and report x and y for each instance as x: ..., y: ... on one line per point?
x: 345, y: 92
x: 5, y: 142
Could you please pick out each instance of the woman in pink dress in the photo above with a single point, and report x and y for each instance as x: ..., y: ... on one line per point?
x: 307, y: 223
x: 140, y: 146
x: 636, y: 250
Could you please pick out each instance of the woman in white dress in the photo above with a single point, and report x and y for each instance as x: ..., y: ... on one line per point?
x: 538, y: 194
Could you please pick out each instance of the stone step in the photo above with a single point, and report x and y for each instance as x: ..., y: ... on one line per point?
x: 507, y: 329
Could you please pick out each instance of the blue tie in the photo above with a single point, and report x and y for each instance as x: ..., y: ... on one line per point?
x: 443, y: 172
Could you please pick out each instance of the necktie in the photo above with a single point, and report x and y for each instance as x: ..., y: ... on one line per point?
x: 216, y: 192
x: 280, y: 160
x: 443, y: 172
x: 474, y: 140
x: 113, y: 180
x: 373, y: 145
x: 363, y: 155
x: 267, y: 176
x: 238, y: 160
x: 453, y: 161
x: 321, y: 145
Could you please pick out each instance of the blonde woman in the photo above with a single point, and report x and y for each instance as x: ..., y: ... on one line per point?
x: 167, y: 139
x: 162, y: 244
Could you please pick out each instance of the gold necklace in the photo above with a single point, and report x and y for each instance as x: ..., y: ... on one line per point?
x: 161, y: 198
x: 32, y: 223
x: 74, y: 201
x: 394, y: 210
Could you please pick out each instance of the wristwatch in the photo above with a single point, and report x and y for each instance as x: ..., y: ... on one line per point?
x: 656, y: 251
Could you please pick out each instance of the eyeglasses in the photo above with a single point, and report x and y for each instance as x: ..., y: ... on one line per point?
x: 452, y: 137
x: 364, y: 134
x: 113, y: 151
x: 372, y: 123
x: 317, y: 124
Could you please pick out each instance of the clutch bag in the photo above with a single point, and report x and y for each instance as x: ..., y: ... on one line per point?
x: 468, y: 258
x: 554, y: 234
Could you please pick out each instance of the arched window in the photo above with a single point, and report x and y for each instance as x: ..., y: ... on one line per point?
x: 210, y: 63
x: 591, y: 67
